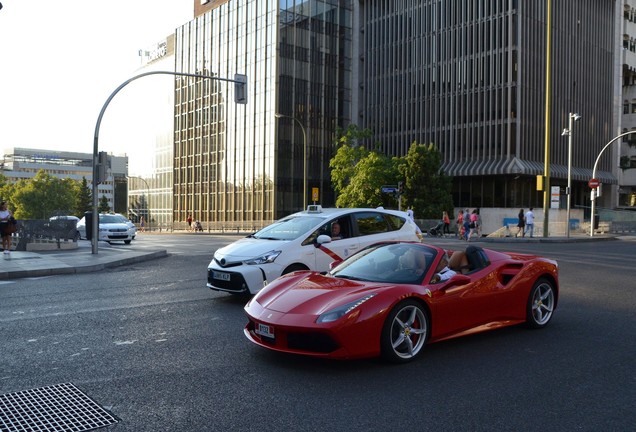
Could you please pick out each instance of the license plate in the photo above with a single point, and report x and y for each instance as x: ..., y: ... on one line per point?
x: 221, y: 276
x: 265, y: 330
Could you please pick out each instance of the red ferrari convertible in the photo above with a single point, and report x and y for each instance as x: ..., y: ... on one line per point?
x: 391, y: 299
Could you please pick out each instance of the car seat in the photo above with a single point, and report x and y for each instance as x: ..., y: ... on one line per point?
x: 477, y: 258
x: 458, y: 262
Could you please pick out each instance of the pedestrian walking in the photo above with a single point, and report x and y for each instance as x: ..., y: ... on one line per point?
x: 521, y: 217
x: 459, y: 224
x: 466, y: 225
x: 478, y: 223
x: 446, y: 221
x: 530, y: 222
x: 472, y: 225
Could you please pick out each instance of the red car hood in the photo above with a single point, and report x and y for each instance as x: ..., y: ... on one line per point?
x: 312, y: 293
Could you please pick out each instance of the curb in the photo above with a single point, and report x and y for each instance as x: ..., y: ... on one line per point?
x: 88, y: 268
x: 546, y: 240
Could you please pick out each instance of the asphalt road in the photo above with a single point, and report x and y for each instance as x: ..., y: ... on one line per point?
x: 153, y: 345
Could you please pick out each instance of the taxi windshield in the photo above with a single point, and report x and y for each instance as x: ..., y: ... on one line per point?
x: 289, y: 228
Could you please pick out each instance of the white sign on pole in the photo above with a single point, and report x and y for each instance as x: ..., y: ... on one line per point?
x: 555, y: 192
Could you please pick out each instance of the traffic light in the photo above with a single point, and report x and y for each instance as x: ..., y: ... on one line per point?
x: 102, y: 167
x: 240, y: 89
x: 400, y: 188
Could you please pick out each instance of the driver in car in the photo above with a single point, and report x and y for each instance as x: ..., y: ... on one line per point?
x: 335, y: 231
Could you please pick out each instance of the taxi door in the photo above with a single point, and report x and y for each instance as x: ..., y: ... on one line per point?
x: 340, y: 247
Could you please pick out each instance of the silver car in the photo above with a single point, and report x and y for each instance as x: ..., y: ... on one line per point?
x: 111, y: 228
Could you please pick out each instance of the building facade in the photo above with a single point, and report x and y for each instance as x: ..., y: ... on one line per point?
x: 240, y: 164
x: 150, y: 188
x: 627, y: 162
x: 470, y: 77
x: 24, y: 163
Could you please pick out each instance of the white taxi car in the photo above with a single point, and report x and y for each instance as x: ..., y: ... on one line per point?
x: 302, y: 241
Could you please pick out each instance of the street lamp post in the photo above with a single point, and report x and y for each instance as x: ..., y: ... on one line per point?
x: 278, y: 115
x: 147, y: 200
x: 240, y: 97
x: 572, y: 118
x: 594, y: 194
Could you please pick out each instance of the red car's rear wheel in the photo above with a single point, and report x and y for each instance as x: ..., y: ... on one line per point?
x: 405, y: 331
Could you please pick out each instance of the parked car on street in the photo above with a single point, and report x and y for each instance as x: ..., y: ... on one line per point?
x: 305, y: 240
x: 111, y: 228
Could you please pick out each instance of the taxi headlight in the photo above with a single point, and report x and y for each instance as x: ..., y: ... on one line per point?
x: 264, y: 259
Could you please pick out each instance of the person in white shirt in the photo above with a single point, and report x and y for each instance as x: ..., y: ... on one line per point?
x: 5, y: 216
x: 443, y: 272
x: 530, y: 222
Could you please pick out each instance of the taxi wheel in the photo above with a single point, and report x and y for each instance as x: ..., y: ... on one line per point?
x: 293, y: 268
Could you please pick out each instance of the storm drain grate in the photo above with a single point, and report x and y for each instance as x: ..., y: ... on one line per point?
x: 62, y: 407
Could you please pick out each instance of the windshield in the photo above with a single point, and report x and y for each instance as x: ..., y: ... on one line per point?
x: 120, y: 218
x: 288, y: 229
x: 388, y: 262
x: 109, y: 219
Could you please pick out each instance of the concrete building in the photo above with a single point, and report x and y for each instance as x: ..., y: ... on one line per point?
x: 24, y: 163
x: 626, y: 19
x: 470, y: 77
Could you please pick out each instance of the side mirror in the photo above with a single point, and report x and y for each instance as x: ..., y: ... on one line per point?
x: 322, y: 239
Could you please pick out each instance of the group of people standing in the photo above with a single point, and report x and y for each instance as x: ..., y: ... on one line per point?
x: 468, y: 224
x: 526, y: 223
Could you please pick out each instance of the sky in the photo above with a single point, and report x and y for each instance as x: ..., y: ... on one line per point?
x: 61, y: 60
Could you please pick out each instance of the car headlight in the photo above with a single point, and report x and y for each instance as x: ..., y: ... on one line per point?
x: 264, y: 259
x: 341, y: 311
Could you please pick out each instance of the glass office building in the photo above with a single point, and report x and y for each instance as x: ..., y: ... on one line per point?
x: 150, y: 182
x: 470, y: 77
x: 241, y: 165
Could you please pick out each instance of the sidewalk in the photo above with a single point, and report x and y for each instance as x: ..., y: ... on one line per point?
x: 574, y: 238
x: 19, y: 264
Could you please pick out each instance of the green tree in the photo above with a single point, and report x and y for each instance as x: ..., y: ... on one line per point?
x: 103, y: 206
x: 348, y: 154
x: 42, y: 196
x: 365, y: 186
x: 426, y: 189
x: 84, y: 198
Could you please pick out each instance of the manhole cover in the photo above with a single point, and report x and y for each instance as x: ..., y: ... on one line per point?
x: 62, y: 407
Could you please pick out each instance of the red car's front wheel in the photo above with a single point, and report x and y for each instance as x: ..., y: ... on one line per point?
x: 405, y: 332
x: 541, y: 303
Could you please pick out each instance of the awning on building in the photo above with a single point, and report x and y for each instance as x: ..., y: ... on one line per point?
x: 516, y: 166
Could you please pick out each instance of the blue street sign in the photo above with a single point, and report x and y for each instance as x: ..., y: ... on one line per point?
x: 389, y: 189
